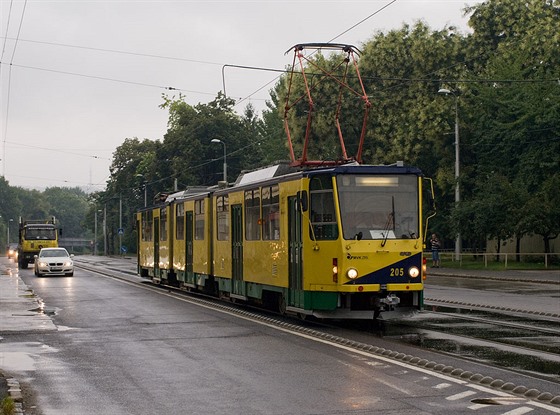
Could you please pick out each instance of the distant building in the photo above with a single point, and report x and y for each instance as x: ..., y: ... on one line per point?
x: 528, y: 245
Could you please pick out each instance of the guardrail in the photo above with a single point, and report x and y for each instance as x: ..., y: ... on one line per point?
x: 548, y: 259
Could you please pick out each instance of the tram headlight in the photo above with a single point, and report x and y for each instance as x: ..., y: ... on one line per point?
x: 352, y: 273
x: 414, y: 272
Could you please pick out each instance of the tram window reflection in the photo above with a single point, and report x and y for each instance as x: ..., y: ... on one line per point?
x: 383, y: 207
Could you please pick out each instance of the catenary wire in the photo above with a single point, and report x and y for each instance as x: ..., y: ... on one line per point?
x: 5, y: 132
x: 7, y: 29
x: 334, y: 38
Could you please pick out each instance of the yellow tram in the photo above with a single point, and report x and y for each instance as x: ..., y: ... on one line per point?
x: 337, y: 242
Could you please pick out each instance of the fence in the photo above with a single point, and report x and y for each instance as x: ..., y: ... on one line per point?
x: 507, y: 258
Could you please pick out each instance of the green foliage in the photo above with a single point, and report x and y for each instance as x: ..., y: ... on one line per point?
x: 7, y: 406
x: 67, y: 205
x: 409, y: 120
x: 515, y: 117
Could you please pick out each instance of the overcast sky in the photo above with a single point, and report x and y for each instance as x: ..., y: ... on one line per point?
x: 85, y: 75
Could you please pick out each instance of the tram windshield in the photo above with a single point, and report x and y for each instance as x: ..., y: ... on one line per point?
x: 378, y: 207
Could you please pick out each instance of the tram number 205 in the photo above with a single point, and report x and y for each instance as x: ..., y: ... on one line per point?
x: 397, y: 272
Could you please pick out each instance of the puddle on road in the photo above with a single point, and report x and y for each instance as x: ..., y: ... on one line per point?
x: 22, y: 357
x: 42, y: 309
x: 17, y: 361
x: 46, y: 311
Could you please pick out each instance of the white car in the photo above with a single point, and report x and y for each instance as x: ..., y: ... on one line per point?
x: 54, y: 261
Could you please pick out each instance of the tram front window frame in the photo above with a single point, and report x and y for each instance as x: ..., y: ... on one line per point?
x: 374, y: 207
x: 323, y: 212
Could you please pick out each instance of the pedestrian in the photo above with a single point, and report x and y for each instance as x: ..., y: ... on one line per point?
x: 434, y: 242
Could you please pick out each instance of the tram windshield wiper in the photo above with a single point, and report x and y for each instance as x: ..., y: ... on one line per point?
x: 390, y: 222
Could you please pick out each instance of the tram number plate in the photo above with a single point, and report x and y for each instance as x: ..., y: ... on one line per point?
x: 397, y: 272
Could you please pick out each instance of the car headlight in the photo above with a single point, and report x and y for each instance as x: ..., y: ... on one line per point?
x: 68, y: 264
x: 352, y: 273
x: 414, y: 272
x: 43, y: 264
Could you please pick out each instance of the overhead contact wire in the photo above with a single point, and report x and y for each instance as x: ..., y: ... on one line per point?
x: 10, y: 87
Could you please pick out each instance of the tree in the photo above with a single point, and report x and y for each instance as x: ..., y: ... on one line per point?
x: 274, y: 143
x: 10, y: 208
x: 69, y: 206
x: 193, y: 160
x: 543, y: 211
x: 515, y: 123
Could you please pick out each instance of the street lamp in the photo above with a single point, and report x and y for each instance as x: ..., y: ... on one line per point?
x: 95, y: 232
x: 7, y: 229
x: 457, y: 189
x: 216, y: 140
x: 11, y: 220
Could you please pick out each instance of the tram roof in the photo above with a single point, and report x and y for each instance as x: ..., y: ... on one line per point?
x: 189, y: 192
x: 355, y: 168
x: 283, y: 171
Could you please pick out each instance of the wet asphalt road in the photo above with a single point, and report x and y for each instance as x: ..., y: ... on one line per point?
x: 117, y: 348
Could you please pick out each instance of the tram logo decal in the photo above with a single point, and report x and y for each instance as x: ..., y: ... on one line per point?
x: 356, y: 256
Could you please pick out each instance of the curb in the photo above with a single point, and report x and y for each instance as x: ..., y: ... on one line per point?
x: 14, y: 392
x: 492, y: 278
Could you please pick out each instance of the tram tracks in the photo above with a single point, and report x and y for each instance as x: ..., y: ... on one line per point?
x: 517, y: 342
x: 432, y: 302
x: 531, y: 325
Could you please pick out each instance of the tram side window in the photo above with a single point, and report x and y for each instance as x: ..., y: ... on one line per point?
x: 163, y: 224
x: 271, y: 212
x: 252, y: 215
x: 323, y: 214
x: 222, y: 208
x: 147, y: 218
x: 199, y: 219
x: 180, y: 221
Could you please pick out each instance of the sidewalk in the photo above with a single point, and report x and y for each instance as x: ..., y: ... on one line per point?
x: 543, y: 276
x: 20, y: 311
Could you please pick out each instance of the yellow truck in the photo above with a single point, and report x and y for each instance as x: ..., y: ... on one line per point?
x: 34, y: 235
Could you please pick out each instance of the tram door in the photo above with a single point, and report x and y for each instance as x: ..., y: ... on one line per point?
x: 189, y: 277
x: 295, y: 245
x: 156, y: 247
x: 237, y: 286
